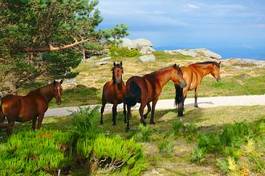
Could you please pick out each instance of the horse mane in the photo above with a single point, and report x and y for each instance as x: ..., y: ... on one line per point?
x: 164, y: 69
x: 207, y: 62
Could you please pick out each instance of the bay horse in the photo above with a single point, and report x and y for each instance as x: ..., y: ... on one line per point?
x: 193, y: 75
x: 113, y: 92
x: 30, y: 107
x: 147, y: 89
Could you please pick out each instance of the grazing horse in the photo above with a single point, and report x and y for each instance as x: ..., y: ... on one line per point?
x: 193, y: 75
x: 113, y: 92
x: 30, y: 107
x: 148, y: 88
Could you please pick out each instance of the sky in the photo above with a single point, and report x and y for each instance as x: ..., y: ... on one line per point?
x: 232, y: 28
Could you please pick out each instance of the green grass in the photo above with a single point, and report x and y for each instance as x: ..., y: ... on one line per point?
x: 168, y: 145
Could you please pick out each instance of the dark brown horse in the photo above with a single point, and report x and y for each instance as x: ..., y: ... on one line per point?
x: 113, y: 92
x: 30, y: 107
x: 148, y: 88
x: 193, y: 75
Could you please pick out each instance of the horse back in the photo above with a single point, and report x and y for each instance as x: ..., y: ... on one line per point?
x: 23, y: 108
x: 146, y: 85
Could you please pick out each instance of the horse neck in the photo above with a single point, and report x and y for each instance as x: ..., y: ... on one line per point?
x: 45, y: 92
x: 163, y: 77
x: 205, y: 69
x: 119, y: 85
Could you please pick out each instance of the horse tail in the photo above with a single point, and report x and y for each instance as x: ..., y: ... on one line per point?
x: 179, y: 94
x: 133, y: 94
x: 2, y: 116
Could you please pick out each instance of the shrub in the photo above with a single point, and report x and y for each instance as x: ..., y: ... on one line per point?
x: 109, y: 153
x: 189, y: 131
x: 38, y: 153
x: 166, y: 147
x: 143, y: 133
x: 85, y: 123
x: 117, y: 52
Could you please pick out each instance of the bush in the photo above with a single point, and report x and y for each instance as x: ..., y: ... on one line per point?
x: 166, y: 147
x: 118, y: 52
x: 234, y: 142
x: 189, y: 131
x: 111, y: 154
x: 143, y: 133
x: 34, y: 153
x: 85, y: 123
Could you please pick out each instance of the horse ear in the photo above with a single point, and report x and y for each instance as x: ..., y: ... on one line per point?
x: 61, y: 81
x: 121, y: 63
x: 114, y: 64
x: 54, y: 82
x: 220, y: 62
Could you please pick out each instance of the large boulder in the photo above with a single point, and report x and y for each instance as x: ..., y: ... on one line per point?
x: 147, y: 58
x: 143, y: 45
x: 200, y: 52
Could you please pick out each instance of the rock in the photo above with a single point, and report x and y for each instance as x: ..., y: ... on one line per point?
x: 102, y: 63
x: 69, y: 83
x: 200, y: 52
x: 147, y: 58
x: 105, y: 58
x: 143, y: 45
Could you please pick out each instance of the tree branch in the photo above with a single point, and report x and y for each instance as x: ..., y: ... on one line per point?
x: 54, y: 48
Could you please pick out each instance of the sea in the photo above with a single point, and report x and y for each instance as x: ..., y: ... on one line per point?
x: 227, y: 53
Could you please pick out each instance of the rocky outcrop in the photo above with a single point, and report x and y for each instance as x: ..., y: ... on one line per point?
x: 143, y: 45
x: 147, y: 58
x: 200, y: 52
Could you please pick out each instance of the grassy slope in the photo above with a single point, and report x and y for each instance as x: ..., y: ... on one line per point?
x: 178, y: 161
x: 237, y: 79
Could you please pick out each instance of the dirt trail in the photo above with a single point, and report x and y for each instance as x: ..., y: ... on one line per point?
x: 204, y: 102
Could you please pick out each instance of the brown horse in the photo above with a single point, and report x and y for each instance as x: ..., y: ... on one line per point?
x: 30, y: 107
x: 113, y: 92
x: 147, y: 89
x: 193, y: 75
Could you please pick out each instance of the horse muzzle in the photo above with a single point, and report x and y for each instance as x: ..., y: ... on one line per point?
x: 218, y: 79
x: 182, y: 84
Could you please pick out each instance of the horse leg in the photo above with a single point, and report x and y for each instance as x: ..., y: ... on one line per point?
x: 114, y: 114
x: 181, y: 104
x: 40, y: 118
x: 129, y: 114
x: 10, y: 127
x: 148, y: 110
x: 124, y: 112
x: 102, y: 111
x: 34, y: 123
x: 141, y: 112
x: 196, y: 96
x: 152, y: 120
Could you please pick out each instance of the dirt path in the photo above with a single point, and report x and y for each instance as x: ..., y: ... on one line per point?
x: 204, y: 102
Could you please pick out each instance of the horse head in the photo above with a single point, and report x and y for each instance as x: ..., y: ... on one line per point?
x: 117, y: 71
x: 215, y: 72
x: 57, y: 90
x: 178, y: 76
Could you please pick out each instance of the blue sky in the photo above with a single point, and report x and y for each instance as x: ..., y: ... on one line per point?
x: 233, y: 28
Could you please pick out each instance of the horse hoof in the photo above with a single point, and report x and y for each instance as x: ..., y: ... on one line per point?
x: 127, y: 129
x: 152, y: 123
x: 145, y: 116
x: 114, y: 124
x: 101, y: 123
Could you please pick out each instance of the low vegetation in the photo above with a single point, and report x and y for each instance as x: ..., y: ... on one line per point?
x: 53, y: 151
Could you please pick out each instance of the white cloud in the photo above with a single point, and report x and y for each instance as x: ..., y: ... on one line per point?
x: 192, y: 6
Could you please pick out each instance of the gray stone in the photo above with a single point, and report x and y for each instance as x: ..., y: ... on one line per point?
x: 200, y: 52
x: 147, y: 58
